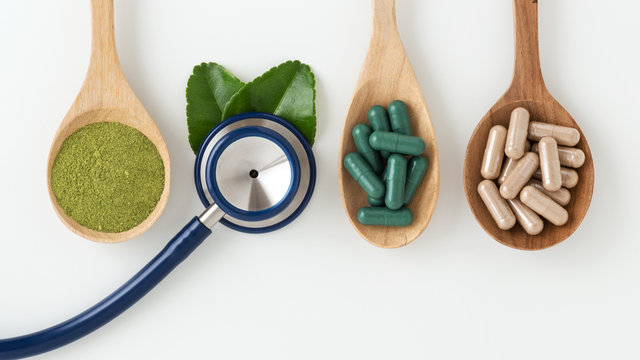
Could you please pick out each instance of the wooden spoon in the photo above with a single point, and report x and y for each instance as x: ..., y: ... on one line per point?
x: 106, y: 96
x: 386, y: 76
x: 529, y: 91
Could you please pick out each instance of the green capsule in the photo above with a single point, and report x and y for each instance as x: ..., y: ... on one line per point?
x: 379, y: 121
x: 384, y: 216
x: 396, y: 176
x: 361, y: 133
x: 364, y: 175
x: 415, y: 173
x: 376, y: 201
x: 399, y: 118
x: 396, y: 143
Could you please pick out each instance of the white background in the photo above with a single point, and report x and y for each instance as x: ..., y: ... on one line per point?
x: 316, y: 290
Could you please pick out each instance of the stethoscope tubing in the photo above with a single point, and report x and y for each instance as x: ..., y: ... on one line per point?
x: 174, y: 253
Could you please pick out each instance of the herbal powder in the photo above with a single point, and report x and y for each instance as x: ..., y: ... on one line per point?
x: 108, y: 177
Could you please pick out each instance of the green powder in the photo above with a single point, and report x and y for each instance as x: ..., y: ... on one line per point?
x: 108, y: 177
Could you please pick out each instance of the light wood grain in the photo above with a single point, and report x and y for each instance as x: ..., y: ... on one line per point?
x: 386, y: 76
x: 529, y: 91
x: 107, y: 96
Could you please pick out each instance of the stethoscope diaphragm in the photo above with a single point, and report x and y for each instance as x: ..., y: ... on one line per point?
x: 258, y: 169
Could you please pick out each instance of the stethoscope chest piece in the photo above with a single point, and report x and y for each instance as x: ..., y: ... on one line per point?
x: 258, y: 169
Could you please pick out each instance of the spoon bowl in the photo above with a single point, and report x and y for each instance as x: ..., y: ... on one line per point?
x: 386, y: 76
x: 551, y: 112
x: 527, y: 90
x: 106, y: 96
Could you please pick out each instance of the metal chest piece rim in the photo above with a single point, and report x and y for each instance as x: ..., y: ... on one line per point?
x: 258, y: 169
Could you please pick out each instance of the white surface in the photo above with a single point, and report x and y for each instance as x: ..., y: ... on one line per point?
x: 316, y: 290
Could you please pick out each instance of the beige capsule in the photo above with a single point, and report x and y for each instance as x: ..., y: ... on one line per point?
x: 493, y: 153
x: 509, y: 164
x: 543, y: 205
x: 550, y: 164
x: 507, y: 167
x: 517, y: 133
x: 564, y: 135
x: 519, y: 176
x: 569, y: 156
x: 570, y: 177
x: 497, y: 206
x: 562, y: 196
x: 527, y: 218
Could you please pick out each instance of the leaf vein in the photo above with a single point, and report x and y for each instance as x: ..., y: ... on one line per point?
x: 285, y: 92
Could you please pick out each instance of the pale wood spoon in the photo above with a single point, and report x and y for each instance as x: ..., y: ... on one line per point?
x: 107, y: 96
x: 529, y: 91
x: 387, y: 75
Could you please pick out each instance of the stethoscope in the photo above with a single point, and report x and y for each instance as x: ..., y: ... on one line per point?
x: 254, y: 173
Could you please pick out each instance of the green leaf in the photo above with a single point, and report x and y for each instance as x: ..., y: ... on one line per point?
x: 208, y: 90
x: 287, y: 90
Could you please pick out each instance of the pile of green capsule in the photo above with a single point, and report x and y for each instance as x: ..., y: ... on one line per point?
x: 391, y: 187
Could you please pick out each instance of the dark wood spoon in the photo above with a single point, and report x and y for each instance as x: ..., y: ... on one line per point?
x: 529, y: 91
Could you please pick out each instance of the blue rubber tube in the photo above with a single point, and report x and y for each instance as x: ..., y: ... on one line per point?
x: 181, y: 246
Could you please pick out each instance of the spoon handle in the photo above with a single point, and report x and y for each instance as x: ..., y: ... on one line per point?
x: 386, y: 46
x: 527, y: 80
x: 384, y: 16
x: 104, y: 66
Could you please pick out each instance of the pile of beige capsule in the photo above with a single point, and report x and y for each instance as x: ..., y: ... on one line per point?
x: 533, y: 163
